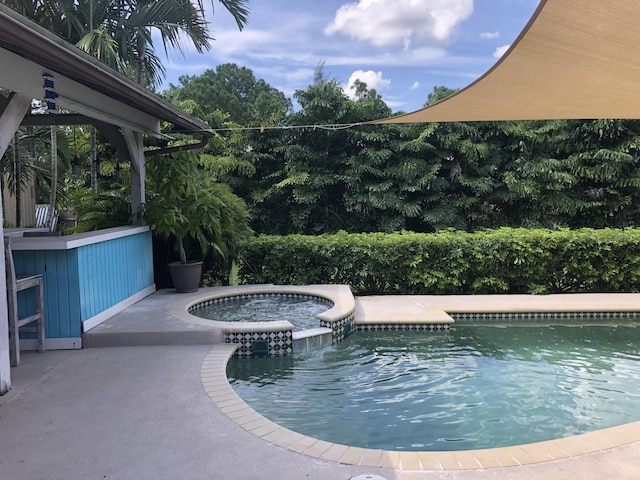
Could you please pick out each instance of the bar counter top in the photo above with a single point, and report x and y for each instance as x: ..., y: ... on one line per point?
x: 67, y: 242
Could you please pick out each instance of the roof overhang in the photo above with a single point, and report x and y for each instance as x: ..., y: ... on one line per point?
x: 84, y: 85
x: 575, y: 59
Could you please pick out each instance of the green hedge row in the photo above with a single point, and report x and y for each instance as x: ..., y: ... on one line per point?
x: 507, y: 260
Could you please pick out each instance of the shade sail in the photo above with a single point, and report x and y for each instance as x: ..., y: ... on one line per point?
x: 574, y: 59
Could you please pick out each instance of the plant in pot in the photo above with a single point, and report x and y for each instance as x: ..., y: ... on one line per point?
x: 186, y: 204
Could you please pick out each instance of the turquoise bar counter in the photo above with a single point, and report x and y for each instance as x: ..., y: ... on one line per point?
x: 88, y: 278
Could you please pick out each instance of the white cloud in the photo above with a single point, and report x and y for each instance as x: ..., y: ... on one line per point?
x: 383, y: 23
x: 500, y: 51
x: 395, y: 103
x: 418, y: 56
x: 415, y: 86
x: 374, y: 80
x: 489, y: 35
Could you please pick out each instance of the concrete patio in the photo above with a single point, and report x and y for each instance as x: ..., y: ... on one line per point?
x: 141, y: 412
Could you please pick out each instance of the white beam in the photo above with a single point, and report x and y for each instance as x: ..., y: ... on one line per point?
x: 135, y: 146
x: 11, y: 115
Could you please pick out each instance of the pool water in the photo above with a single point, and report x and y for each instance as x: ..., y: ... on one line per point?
x: 300, y: 311
x: 475, y: 386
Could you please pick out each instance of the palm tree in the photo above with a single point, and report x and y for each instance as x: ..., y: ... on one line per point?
x: 20, y: 166
x: 119, y: 32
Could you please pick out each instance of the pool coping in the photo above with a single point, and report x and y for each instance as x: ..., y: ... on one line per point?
x: 216, y: 384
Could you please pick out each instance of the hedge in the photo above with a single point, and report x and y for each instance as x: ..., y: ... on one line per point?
x: 507, y: 260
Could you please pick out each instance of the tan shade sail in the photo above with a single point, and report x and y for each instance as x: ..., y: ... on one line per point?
x: 574, y: 59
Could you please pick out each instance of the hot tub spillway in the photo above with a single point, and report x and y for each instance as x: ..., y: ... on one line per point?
x: 312, y: 339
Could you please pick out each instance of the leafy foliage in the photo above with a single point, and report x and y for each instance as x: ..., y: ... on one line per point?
x: 120, y: 32
x: 105, y: 208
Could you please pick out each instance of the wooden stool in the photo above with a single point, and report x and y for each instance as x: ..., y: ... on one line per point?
x: 15, y: 284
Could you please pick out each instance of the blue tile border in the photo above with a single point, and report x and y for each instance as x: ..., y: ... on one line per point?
x: 422, y: 327
x: 536, y: 316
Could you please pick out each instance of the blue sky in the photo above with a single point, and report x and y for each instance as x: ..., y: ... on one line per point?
x: 402, y: 48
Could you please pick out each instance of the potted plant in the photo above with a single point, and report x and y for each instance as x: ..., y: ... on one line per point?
x: 187, y: 204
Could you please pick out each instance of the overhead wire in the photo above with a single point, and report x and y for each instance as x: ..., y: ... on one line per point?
x: 331, y: 127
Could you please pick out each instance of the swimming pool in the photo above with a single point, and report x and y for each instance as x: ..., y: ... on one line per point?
x: 476, y: 386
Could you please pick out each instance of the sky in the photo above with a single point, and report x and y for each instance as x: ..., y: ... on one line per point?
x: 402, y: 48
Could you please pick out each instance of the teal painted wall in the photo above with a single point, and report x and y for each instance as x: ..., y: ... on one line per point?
x: 110, y: 272
x: 82, y: 282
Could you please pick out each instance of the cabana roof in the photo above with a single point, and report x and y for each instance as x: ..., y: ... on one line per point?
x: 84, y: 85
x: 574, y: 59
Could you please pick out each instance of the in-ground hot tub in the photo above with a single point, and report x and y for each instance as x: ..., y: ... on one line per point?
x: 279, y: 337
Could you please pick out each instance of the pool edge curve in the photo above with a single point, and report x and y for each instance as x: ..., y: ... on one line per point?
x: 216, y: 385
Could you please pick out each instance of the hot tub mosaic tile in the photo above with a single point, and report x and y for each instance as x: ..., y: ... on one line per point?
x: 278, y: 343
x: 258, y: 342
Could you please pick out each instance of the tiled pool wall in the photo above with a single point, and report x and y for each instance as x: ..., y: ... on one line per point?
x: 248, y: 296
x: 341, y: 328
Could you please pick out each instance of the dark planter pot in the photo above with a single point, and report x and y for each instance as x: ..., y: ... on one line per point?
x: 185, y: 276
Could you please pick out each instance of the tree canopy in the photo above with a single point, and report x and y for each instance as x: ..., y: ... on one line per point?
x: 420, y: 177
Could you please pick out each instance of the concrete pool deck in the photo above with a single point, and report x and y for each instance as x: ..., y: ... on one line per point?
x: 147, y: 412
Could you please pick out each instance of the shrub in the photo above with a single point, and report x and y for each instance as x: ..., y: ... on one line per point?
x: 507, y: 260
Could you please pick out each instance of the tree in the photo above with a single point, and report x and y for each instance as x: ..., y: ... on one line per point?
x: 389, y: 180
x: 20, y: 166
x: 438, y: 94
x: 235, y: 91
x: 604, y: 158
x: 467, y: 173
x: 389, y: 173
x: 365, y: 178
